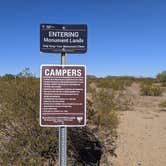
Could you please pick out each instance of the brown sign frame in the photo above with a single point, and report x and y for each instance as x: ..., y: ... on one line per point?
x: 44, y: 107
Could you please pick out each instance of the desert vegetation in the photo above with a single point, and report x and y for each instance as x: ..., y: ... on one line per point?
x: 161, y: 77
x: 143, y: 127
x: 149, y: 90
x: 163, y: 104
x: 24, y: 142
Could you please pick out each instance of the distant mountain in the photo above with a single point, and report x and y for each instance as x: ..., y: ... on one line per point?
x: 91, y: 76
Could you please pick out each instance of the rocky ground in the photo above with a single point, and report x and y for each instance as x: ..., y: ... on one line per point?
x: 142, y: 132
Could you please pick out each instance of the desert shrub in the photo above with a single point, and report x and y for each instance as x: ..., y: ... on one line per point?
x: 161, y: 77
x: 162, y: 104
x: 115, y: 84
x: 163, y: 84
x: 103, y: 83
x: 90, y: 80
x: 128, y: 80
x: 90, y: 111
x: 105, y: 110
x: 22, y: 140
x: 146, y: 81
x: 7, y: 77
x: 147, y: 90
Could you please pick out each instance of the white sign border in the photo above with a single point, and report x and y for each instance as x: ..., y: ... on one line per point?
x: 41, y: 97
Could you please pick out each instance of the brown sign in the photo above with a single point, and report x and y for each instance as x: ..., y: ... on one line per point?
x: 62, y: 96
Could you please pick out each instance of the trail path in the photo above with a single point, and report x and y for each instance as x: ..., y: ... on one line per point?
x: 142, y: 132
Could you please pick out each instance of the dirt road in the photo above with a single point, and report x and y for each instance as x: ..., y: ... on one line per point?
x: 142, y: 132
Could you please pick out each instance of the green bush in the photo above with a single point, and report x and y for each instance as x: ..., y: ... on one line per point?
x: 89, y: 83
x: 163, y: 84
x: 128, y: 80
x: 147, y: 90
x: 161, y: 77
x: 105, y: 110
x: 118, y: 83
x: 163, y: 104
x: 146, y: 81
x: 115, y: 83
x: 22, y: 140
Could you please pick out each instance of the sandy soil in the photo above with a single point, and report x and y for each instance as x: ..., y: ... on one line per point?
x: 142, y: 132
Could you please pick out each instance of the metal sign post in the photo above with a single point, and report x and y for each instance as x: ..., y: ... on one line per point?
x: 63, y: 132
x: 62, y: 146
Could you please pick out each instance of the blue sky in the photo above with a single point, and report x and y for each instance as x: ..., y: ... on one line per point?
x: 125, y: 37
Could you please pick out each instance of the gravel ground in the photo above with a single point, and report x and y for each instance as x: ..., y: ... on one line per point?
x: 142, y: 132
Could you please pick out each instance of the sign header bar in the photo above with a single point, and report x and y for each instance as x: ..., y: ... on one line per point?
x: 63, y: 38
